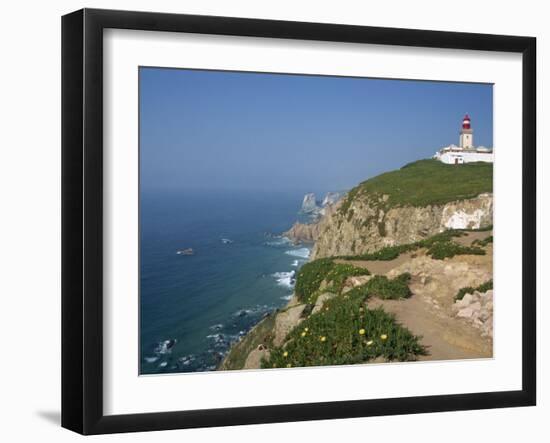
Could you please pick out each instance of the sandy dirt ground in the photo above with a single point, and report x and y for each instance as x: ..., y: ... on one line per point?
x: 428, y: 312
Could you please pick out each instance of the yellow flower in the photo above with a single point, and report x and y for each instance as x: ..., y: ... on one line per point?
x: 383, y: 336
x: 303, y: 334
x: 361, y: 309
x: 289, y: 365
x: 323, y: 338
x: 370, y: 342
x: 285, y: 354
x: 361, y: 332
x: 306, y: 329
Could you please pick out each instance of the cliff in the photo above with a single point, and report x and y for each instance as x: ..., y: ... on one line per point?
x: 303, y: 232
x: 309, y: 232
x: 405, y: 206
x: 428, y: 298
x: 371, y: 227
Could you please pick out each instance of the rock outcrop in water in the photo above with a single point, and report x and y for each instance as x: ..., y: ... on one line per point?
x: 303, y: 232
x: 309, y: 204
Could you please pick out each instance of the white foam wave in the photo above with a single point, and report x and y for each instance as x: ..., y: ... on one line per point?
x: 165, y: 346
x: 301, y: 252
x: 151, y: 359
x: 285, y: 279
x: 187, y: 360
x: 259, y: 309
x: 279, y: 241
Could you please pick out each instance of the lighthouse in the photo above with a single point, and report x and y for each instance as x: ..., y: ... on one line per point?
x: 466, y: 140
x: 465, y: 152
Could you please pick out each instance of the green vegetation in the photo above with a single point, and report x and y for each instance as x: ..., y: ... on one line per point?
x: 439, y: 251
x: 310, y: 277
x: 312, y: 274
x: 484, y: 287
x: 346, y: 332
x: 439, y: 246
x: 425, y: 182
x: 262, y: 334
x: 382, y: 287
x: 483, y: 242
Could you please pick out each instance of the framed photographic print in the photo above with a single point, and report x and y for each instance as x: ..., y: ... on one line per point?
x: 269, y: 221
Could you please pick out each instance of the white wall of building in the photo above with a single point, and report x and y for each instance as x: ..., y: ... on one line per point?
x: 458, y: 157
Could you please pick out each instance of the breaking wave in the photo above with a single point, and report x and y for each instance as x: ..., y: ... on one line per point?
x: 301, y: 252
x: 285, y: 279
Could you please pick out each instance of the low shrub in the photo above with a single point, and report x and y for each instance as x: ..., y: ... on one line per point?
x: 385, y: 254
x: 312, y: 274
x: 346, y: 332
x: 484, y: 287
x: 448, y: 249
x: 483, y: 242
x: 439, y: 246
x: 337, y: 276
x: 384, y: 288
x: 463, y: 291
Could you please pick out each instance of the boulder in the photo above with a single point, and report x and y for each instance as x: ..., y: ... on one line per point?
x: 476, y: 306
x: 355, y: 281
x: 467, y: 299
x: 465, y: 313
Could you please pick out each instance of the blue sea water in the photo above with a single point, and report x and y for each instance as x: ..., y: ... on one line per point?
x: 192, y: 308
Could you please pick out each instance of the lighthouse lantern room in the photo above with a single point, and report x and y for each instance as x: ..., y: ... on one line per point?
x: 466, y: 134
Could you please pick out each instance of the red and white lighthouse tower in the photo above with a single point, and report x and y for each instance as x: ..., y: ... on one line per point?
x: 466, y: 134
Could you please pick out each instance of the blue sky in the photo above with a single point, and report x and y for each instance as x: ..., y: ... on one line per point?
x: 229, y: 130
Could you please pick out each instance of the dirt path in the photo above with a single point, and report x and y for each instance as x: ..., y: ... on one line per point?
x: 446, y: 338
x: 428, y: 313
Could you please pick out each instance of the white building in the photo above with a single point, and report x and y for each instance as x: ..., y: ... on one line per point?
x: 466, y: 152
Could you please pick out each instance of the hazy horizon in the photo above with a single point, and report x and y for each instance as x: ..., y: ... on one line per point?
x: 209, y: 130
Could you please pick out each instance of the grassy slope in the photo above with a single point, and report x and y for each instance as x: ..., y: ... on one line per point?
x: 426, y: 182
x: 346, y: 332
x: 261, y: 334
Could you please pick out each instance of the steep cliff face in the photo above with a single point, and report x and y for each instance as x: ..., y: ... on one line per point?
x: 367, y: 224
x: 309, y: 232
x: 303, y: 232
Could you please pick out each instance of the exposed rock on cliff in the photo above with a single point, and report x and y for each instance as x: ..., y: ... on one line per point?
x: 303, y: 232
x: 309, y: 204
x: 308, y: 232
x: 368, y: 226
x: 404, y: 206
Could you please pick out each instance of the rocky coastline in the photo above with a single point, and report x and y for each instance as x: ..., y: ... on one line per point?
x: 350, y: 228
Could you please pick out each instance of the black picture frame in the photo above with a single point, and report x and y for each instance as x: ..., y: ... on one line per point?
x: 82, y: 218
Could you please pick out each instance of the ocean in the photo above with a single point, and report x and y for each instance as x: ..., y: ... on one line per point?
x: 193, y: 307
